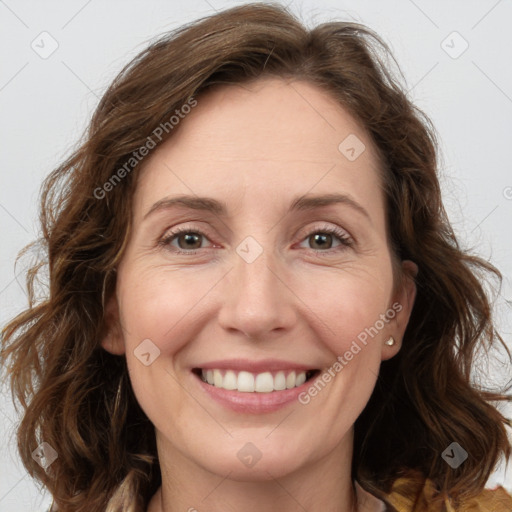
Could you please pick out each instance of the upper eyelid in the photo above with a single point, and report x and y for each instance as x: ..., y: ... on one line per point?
x: 192, y: 228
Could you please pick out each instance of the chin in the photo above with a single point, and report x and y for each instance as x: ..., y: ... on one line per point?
x: 268, y: 467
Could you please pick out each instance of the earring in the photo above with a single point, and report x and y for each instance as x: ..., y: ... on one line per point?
x: 390, y: 342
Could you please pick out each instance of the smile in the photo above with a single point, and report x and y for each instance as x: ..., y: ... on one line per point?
x: 248, y: 382
x: 251, y: 386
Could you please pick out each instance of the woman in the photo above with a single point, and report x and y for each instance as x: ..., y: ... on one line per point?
x: 256, y: 299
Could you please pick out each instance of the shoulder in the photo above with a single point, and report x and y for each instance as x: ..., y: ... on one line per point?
x: 416, y: 495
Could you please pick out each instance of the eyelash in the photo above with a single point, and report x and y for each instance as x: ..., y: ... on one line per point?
x: 342, y: 236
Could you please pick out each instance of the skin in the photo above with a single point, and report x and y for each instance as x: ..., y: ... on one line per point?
x: 257, y: 147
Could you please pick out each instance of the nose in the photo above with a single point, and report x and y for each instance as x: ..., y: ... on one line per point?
x: 257, y: 298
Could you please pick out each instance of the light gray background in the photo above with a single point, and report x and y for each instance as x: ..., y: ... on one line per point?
x: 46, y: 103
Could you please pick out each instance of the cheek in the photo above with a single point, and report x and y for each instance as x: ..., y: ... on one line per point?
x: 348, y: 306
x: 161, y: 304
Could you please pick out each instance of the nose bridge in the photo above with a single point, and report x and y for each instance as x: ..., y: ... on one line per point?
x: 257, y: 300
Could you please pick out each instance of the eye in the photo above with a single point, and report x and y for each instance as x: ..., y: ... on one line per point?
x: 323, y: 237
x: 187, y: 238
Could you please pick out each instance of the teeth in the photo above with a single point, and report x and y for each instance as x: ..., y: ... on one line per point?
x: 290, y: 380
x: 280, y: 381
x: 230, y: 380
x: 247, y: 382
x: 264, y: 383
x: 300, y: 379
x: 217, y: 378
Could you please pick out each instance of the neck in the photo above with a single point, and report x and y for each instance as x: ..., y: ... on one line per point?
x: 322, y: 485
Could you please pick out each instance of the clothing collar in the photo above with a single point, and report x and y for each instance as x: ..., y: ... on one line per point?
x: 368, y: 502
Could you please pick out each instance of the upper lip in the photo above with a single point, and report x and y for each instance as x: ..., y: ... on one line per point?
x: 254, y: 366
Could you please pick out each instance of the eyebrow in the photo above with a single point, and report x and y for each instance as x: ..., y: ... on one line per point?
x: 301, y: 203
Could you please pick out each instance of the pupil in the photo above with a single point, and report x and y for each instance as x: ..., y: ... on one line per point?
x: 190, y: 238
x: 321, y: 237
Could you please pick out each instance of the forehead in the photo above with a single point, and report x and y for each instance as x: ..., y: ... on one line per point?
x: 262, y: 141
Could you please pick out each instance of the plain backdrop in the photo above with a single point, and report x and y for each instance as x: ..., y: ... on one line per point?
x: 456, y: 57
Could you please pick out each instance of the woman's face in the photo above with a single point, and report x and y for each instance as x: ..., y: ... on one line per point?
x: 258, y: 284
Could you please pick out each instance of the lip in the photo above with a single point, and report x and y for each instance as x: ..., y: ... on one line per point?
x: 253, y: 403
x: 265, y: 365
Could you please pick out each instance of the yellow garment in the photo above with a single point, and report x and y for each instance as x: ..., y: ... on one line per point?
x: 489, y: 500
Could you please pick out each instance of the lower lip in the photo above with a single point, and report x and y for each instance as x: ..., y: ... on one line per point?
x: 253, y: 403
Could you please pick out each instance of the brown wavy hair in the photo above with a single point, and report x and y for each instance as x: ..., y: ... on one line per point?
x: 77, y: 397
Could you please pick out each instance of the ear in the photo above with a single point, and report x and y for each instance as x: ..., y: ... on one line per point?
x: 112, y: 339
x: 402, y: 304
